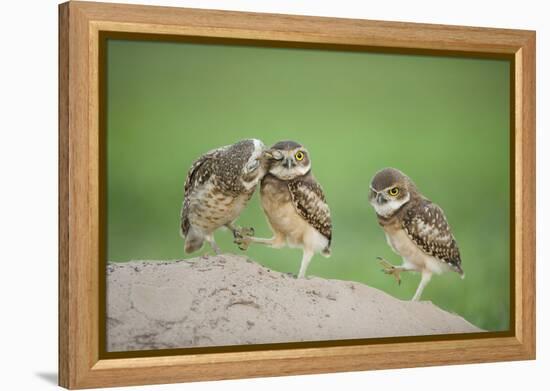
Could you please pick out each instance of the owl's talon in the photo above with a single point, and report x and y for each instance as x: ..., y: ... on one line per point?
x: 241, y: 232
x: 390, y: 269
x: 246, y: 231
x: 242, y: 242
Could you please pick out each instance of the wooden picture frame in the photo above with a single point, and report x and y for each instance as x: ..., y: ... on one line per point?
x: 81, y: 24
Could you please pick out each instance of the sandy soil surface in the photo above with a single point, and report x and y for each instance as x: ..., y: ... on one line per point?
x: 230, y: 300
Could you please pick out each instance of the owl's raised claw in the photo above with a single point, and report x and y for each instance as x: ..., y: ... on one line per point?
x: 246, y: 231
x: 390, y: 269
x: 243, y: 242
x: 240, y: 232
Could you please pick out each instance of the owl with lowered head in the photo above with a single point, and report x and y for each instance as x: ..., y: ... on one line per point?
x: 415, y: 228
x: 294, y: 204
x: 218, y: 186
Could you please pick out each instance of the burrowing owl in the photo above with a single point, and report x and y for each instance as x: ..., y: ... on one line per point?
x: 415, y: 228
x: 218, y: 187
x: 294, y: 204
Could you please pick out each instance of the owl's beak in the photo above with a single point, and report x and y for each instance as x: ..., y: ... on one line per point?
x: 288, y: 163
x: 380, y: 199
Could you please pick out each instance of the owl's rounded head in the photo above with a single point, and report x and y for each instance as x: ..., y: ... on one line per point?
x: 288, y: 160
x: 390, y: 189
x: 254, y: 162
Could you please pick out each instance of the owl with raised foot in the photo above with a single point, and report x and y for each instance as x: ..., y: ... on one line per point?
x: 294, y: 204
x: 218, y: 186
x: 415, y: 228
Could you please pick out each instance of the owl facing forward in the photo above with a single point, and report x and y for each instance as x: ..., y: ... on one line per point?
x: 218, y: 187
x: 415, y: 228
x: 294, y: 204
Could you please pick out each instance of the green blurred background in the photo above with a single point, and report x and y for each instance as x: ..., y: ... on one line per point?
x: 443, y: 121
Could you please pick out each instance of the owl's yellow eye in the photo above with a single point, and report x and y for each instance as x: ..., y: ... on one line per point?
x: 393, y: 191
x: 299, y: 155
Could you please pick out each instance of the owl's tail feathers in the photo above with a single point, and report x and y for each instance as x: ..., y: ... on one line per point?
x: 460, y: 272
x: 193, y: 241
x: 326, y: 252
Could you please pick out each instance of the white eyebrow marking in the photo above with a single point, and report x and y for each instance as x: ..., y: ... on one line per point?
x: 381, y: 191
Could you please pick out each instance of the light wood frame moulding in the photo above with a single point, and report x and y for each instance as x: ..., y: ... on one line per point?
x: 81, y: 24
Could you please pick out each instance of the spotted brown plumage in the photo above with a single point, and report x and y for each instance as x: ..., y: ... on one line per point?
x: 309, y: 200
x: 198, y: 174
x: 294, y: 204
x: 217, y: 188
x: 427, y: 226
x: 415, y: 228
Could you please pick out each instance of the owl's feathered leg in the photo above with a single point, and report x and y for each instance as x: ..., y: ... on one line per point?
x: 426, y: 276
x: 212, y: 242
x: 243, y: 242
x: 306, y: 259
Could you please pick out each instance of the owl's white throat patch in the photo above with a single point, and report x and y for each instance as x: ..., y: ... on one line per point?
x: 389, y: 207
x: 286, y: 174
